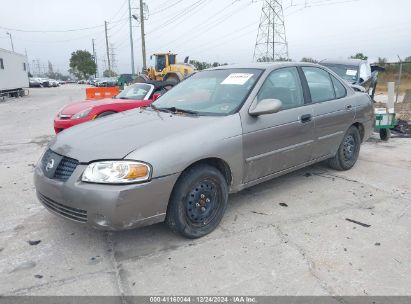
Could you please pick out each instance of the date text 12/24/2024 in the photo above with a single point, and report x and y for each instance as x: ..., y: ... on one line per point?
x: 202, y: 299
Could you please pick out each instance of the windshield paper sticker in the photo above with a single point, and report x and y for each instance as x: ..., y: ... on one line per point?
x: 237, y: 78
x: 351, y: 72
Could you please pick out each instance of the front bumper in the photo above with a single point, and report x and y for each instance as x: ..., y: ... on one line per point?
x: 102, y: 206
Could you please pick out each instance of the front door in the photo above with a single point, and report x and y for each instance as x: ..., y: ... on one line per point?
x: 276, y: 142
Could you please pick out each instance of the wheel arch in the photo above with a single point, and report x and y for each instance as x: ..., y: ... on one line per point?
x: 218, y: 163
x: 360, y: 128
x: 99, y: 112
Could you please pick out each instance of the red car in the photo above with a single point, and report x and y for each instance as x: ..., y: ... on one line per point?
x: 134, y: 96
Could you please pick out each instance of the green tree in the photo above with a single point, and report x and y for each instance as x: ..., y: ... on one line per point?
x: 359, y: 56
x: 308, y: 59
x: 382, y: 60
x: 109, y: 73
x: 82, y: 64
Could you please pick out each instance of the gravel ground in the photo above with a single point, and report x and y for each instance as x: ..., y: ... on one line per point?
x: 288, y: 236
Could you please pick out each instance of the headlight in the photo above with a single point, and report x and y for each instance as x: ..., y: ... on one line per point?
x: 116, y: 172
x: 81, y: 114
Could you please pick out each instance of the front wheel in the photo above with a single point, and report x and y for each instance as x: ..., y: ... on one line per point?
x: 348, y: 151
x: 198, y: 201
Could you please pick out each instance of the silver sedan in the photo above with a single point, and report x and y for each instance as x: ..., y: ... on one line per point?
x: 218, y: 132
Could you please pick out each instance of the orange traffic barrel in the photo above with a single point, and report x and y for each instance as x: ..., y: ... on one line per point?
x: 101, y: 93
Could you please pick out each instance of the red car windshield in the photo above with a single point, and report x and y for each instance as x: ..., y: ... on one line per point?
x: 136, y: 91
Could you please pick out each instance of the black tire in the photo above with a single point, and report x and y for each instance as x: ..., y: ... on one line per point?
x: 198, y: 202
x: 385, y: 134
x: 348, y: 151
x: 105, y: 114
x: 172, y: 79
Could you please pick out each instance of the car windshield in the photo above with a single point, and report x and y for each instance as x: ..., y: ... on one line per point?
x: 213, y: 92
x: 346, y: 72
x: 136, y: 91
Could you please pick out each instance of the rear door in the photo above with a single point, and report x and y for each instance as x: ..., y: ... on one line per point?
x: 333, y: 110
x: 276, y: 142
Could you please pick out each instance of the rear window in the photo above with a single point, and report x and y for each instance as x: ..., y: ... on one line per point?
x: 346, y: 72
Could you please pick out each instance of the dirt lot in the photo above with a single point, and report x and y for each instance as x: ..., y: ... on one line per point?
x: 288, y: 236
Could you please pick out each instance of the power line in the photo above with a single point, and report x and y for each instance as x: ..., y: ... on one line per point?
x: 209, y: 24
x: 121, y: 7
x: 166, y: 8
x: 177, y: 16
x: 56, y: 31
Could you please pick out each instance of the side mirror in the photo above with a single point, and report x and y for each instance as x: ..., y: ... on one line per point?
x: 358, y: 88
x: 266, y: 106
x: 156, y: 96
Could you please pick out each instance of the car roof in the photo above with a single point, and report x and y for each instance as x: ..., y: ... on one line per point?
x: 262, y: 65
x: 343, y: 61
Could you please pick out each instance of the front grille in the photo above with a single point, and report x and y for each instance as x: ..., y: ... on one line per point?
x: 65, y: 168
x: 71, y: 213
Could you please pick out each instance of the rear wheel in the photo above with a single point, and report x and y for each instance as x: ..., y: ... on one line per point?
x: 348, y: 151
x: 105, y: 114
x: 198, y: 202
x: 385, y: 134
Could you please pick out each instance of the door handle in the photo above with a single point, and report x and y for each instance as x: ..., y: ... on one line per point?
x: 348, y: 107
x: 305, y: 118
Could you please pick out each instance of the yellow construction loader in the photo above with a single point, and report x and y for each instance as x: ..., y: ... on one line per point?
x: 166, y: 69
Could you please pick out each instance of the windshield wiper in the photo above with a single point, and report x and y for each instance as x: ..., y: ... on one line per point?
x: 175, y: 110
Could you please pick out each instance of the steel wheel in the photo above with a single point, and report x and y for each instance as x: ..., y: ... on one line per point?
x: 202, y: 202
x: 349, y: 147
x: 348, y: 151
x: 198, y: 201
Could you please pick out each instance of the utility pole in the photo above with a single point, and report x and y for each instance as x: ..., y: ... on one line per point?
x: 107, y: 48
x: 113, y: 58
x: 399, y: 79
x: 131, y: 38
x: 143, y: 40
x: 94, y: 57
x: 11, y: 40
x: 271, y: 43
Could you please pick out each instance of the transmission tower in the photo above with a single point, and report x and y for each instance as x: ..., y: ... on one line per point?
x: 271, y: 43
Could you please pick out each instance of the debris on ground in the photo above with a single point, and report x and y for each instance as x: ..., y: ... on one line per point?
x: 38, y: 276
x: 34, y: 243
x: 261, y: 213
x: 377, y: 244
x: 358, y: 223
x: 283, y: 204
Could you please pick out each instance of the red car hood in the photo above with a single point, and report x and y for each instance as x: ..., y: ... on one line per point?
x: 76, y: 107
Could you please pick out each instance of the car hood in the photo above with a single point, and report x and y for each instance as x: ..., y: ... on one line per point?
x: 115, y: 136
x: 76, y: 107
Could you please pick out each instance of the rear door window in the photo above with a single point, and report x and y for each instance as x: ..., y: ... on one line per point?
x: 339, y: 89
x: 319, y: 83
